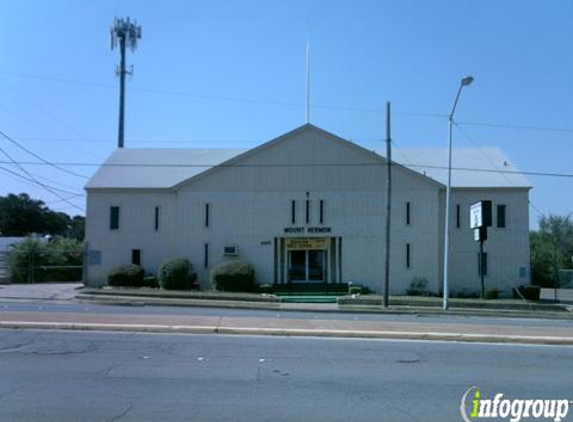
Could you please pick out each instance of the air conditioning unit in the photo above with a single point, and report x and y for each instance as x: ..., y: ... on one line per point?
x: 230, y: 251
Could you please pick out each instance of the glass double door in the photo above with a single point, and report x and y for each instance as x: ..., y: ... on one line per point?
x: 306, y: 266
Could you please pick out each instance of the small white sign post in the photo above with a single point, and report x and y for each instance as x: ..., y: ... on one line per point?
x: 480, y: 219
x: 476, y: 220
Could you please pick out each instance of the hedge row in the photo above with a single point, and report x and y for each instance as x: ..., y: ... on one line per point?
x: 175, y: 274
x: 178, y: 274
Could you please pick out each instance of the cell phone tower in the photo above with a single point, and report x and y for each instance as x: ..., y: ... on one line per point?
x: 124, y: 33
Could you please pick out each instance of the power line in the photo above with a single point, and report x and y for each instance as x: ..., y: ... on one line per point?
x: 68, y: 198
x: 469, y: 138
x: 139, y: 141
x: 39, y: 107
x: 226, y: 97
x: 518, y: 127
x: 32, y: 181
x: 54, y: 182
x: 341, y: 164
x: 48, y: 188
x: 41, y: 158
x: 288, y: 104
x: 532, y: 205
x: 160, y: 141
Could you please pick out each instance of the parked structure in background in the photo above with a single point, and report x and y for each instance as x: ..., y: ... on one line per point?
x: 310, y: 206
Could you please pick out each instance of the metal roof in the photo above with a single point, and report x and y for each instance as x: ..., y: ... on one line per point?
x: 152, y: 168
x: 131, y: 168
x: 471, y: 167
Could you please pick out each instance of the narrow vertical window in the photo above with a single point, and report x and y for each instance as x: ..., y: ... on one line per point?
x: 156, y: 219
x: 136, y: 256
x: 458, y: 216
x: 407, y: 213
x: 293, y: 211
x: 321, y: 211
x: 407, y: 255
x: 307, y: 211
x: 206, y: 215
x: 206, y: 255
x: 114, y: 218
x: 482, y: 264
x: 501, y: 216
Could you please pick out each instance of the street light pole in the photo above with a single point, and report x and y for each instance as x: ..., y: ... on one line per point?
x: 466, y: 81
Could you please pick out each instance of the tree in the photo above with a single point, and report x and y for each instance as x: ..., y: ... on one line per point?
x: 551, y: 249
x: 21, y: 215
x: 36, y: 260
x: 77, y: 228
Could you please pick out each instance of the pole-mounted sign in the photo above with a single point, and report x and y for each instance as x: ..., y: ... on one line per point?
x: 480, y: 214
x: 480, y: 220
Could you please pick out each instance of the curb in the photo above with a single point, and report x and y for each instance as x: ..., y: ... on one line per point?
x: 277, y: 306
x: 197, y: 303
x: 291, y: 332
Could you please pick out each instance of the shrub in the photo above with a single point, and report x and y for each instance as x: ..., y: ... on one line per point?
x: 466, y: 294
x: 367, y: 290
x: 530, y: 292
x: 150, y: 281
x: 418, y: 288
x: 491, y: 294
x: 355, y: 290
x: 266, y: 288
x: 126, y: 276
x: 233, y: 276
x: 177, y: 274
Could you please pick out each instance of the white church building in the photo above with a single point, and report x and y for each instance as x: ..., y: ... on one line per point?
x: 309, y: 206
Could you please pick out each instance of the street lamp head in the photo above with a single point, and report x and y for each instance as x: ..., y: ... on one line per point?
x: 466, y: 81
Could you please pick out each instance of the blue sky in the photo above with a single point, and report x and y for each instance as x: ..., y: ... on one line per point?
x: 232, y: 74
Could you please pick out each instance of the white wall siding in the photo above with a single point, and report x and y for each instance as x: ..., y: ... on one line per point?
x: 250, y: 206
x: 507, y: 248
x: 136, y: 230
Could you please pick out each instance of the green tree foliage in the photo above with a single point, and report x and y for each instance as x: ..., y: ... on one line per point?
x: 33, y: 260
x: 551, y: 249
x: 21, y: 215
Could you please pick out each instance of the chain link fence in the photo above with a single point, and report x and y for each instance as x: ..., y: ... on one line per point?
x: 40, y: 262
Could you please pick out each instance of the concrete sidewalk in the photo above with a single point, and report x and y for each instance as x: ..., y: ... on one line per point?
x: 74, y: 291
x: 289, y: 327
x: 193, y: 299
x: 40, y: 291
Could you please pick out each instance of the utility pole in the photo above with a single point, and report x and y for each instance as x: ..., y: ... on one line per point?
x: 388, y: 205
x: 124, y: 33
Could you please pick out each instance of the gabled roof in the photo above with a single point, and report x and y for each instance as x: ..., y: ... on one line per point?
x: 471, y: 167
x: 155, y: 168
x: 150, y: 168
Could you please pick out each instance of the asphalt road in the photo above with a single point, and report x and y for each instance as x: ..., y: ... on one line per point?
x: 89, y: 376
x: 75, y: 307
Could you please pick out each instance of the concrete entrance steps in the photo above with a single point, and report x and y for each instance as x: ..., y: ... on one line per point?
x: 311, y: 289
x: 310, y: 292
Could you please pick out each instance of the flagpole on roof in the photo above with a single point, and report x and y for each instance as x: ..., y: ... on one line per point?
x: 308, y: 74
